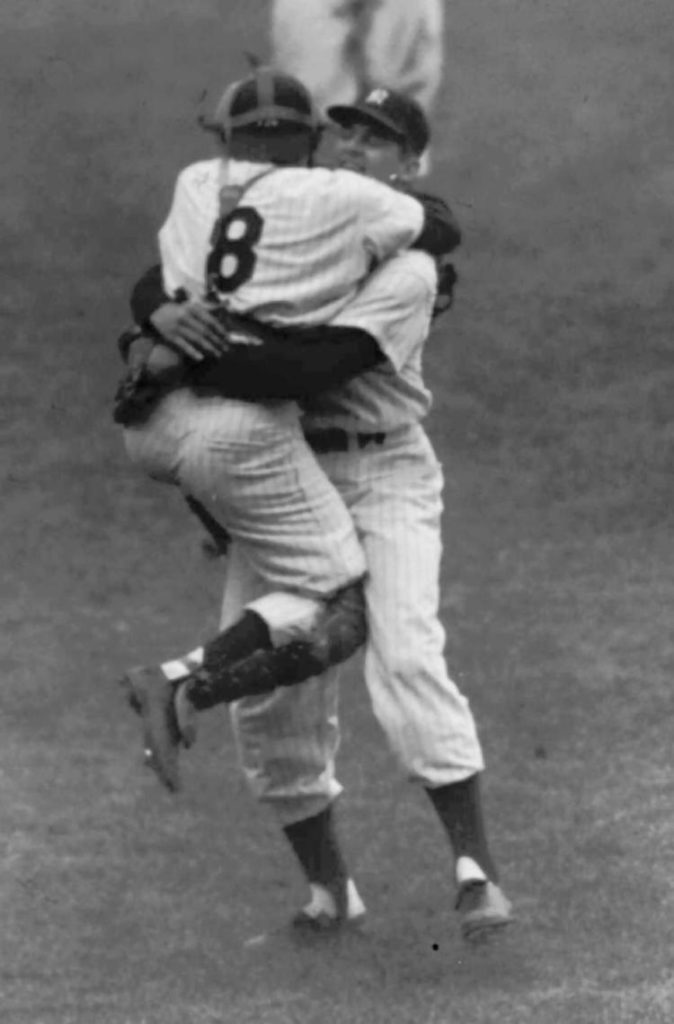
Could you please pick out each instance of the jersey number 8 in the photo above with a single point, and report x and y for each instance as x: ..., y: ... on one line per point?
x: 232, y: 258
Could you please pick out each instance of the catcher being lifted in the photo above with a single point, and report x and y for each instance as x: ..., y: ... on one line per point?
x: 258, y: 233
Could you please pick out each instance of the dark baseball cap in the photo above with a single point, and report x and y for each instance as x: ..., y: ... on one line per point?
x: 392, y: 112
x: 266, y: 99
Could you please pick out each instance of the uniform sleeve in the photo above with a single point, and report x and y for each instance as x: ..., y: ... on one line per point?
x: 391, y: 220
x: 395, y: 305
x: 147, y: 295
x: 289, y: 365
x: 441, y: 233
x: 181, y: 245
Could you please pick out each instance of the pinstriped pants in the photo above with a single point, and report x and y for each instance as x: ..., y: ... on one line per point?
x: 288, y: 740
x: 252, y: 470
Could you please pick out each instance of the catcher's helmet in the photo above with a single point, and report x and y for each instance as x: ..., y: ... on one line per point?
x: 390, y: 112
x: 266, y: 99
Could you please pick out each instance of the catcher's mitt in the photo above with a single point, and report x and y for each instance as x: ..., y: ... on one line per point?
x: 136, y: 397
x: 138, y: 391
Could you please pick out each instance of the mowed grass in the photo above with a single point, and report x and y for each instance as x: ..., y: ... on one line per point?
x: 121, y: 905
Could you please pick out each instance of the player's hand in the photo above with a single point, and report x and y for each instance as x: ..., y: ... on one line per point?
x: 137, y: 352
x: 190, y: 329
x: 149, y: 359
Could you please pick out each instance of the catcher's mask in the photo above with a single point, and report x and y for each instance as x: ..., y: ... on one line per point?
x: 266, y: 104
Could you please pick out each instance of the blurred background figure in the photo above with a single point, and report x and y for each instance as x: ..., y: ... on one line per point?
x: 340, y: 49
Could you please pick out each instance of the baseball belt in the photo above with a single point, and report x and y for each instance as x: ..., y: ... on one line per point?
x: 332, y: 439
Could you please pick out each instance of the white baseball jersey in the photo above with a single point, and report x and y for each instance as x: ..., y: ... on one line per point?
x: 395, y: 306
x: 293, y: 248
x: 296, y: 246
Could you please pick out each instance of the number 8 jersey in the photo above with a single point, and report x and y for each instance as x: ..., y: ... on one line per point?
x: 284, y: 244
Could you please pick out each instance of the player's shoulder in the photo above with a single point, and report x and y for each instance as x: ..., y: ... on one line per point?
x: 310, y: 177
x: 331, y: 178
x: 377, y: 198
x: 342, y: 177
x: 293, y: 173
x: 199, y: 176
x: 290, y: 181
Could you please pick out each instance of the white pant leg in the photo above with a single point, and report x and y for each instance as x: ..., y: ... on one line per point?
x: 405, y: 47
x: 313, y: 39
x: 251, y: 469
x: 287, y: 740
x: 394, y: 494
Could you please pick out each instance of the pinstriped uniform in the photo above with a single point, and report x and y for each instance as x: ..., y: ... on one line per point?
x: 288, y: 740
x: 321, y: 232
x: 251, y: 468
x: 248, y: 464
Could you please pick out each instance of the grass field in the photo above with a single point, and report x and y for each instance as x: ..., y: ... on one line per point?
x: 553, y: 380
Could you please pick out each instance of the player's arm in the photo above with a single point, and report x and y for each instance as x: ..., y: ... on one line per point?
x: 441, y: 233
x: 147, y: 295
x: 186, y: 326
x: 183, y: 237
x: 394, y: 219
x: 289, y: 363
x: 388, y: 319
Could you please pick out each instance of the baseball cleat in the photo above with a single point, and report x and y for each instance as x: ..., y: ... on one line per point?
x: 483, y: 909
x: 151, y: 694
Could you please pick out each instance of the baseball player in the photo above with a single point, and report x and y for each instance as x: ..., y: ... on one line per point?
x: 288, y: 739
x: 240, y: 233
x: 341, y: 48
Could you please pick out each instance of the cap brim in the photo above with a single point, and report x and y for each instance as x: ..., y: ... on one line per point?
x: 346, y: 116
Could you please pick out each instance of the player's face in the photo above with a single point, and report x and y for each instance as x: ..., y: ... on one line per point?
x: 362, y: 149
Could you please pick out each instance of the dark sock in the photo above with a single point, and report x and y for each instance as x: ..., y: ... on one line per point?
x: 460, y: 810
x: 314, y: 842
